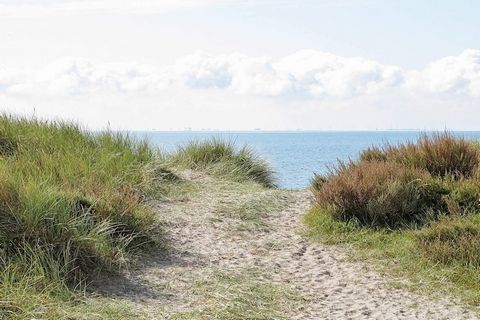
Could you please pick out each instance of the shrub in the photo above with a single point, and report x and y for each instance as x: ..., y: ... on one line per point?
x: 223, y: 158
x: 441, y: 154
x: 463, y: 197
x: 381, y: 194
x: 453, y: 239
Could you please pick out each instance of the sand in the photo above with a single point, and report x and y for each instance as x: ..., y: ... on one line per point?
x: 309, y: 280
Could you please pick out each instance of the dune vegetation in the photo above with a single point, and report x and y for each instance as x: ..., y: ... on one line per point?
x: 414, y: 206
x: 74, y: 205
x: 71, y: 206
x: 223, y: 159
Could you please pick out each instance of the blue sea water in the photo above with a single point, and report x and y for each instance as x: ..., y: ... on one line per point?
x: 295, y: 156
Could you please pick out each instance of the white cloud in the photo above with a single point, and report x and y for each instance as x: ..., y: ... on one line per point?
x: 237, y: 72
x: 204, y: 71
x: 455, y: 74
x: 325, y: 74
x: 74, y: 76
x: 310, y: 72
x: 306, y: 73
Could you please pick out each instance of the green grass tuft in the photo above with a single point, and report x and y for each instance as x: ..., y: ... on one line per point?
x: 71, y: 205
x: 224, y: 159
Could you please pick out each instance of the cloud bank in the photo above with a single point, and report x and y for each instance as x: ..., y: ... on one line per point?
x: 305, y: 74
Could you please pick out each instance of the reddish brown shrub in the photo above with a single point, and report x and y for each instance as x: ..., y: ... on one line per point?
x: 381, y: 194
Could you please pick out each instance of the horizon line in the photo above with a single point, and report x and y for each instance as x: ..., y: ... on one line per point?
x: 291, y: 131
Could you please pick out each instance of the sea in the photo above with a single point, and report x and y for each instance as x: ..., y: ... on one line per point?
x: 296, y: 155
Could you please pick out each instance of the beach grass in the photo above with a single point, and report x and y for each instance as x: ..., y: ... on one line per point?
x: 239, y: 296
x: 74, y: 205
x: 224, y: 159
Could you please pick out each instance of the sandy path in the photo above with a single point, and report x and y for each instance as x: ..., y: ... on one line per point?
x: 345, y: 290
x: 205, y: 242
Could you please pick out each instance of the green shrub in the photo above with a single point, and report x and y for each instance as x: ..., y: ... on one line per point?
x: 223, y: 158
x: 381, y: 194
x: 463, y: 197
x: 452, y: 240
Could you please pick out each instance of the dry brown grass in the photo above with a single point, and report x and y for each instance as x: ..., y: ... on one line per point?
x: 441, y: 154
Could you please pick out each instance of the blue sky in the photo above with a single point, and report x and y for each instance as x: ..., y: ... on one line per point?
x: 239, y: 65
x: 407, y: 33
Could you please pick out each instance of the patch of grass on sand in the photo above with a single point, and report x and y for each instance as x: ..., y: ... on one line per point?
x: 241, y: 296
x: 85, y: 309
x: 252, y: 207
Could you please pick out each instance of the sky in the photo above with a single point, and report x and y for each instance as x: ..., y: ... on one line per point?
x: 243, y: 64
